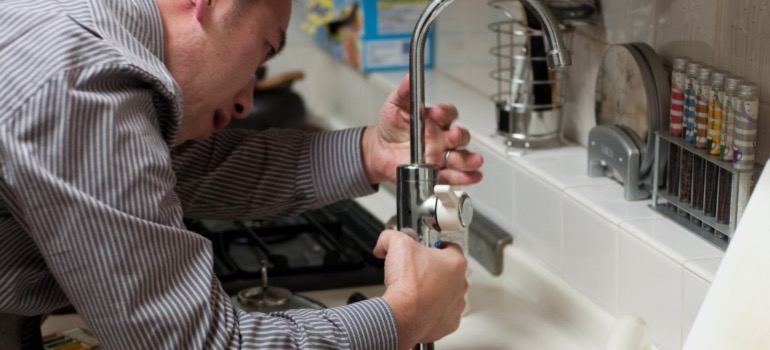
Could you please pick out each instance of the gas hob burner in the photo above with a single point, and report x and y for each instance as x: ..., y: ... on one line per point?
x: 325, y: 248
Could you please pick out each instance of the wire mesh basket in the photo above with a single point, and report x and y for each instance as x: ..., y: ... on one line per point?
x: 529, y: 96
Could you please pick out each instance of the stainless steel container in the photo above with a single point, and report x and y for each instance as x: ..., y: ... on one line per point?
x: 529, y: 96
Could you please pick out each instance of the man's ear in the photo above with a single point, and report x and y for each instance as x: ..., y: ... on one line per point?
x: 201, y: 6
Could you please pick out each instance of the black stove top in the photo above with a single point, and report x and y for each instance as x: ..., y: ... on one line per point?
x: 322, y: 249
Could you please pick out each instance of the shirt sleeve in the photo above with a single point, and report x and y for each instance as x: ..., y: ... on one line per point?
x: 240, y: 173
x: 89, y: 177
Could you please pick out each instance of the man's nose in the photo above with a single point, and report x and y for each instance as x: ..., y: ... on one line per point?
x: 244, y: 101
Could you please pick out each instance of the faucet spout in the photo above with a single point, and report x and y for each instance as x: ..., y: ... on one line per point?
x: 558, y: 56
x: 417, y: 76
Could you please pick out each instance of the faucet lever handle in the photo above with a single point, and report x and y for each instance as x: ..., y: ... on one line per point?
x: 454, y: 209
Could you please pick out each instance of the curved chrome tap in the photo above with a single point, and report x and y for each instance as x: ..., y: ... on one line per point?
x: 558, y: 57
x: 423, y: 208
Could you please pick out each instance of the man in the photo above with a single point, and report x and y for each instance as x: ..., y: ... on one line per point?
x: 108, y: 113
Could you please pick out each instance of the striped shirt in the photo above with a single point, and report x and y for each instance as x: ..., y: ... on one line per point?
x: 92, y: 195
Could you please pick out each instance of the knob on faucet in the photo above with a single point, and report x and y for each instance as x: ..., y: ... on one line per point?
x: 454, y: 210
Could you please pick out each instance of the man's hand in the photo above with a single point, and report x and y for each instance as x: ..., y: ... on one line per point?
x: 425, y: 287
x: 386, y: 145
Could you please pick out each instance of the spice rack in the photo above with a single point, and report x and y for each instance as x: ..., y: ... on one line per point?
x: 695, y: 219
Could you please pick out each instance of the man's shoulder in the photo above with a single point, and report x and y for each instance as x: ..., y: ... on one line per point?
x: 38, y: 44
x: 52, y: 47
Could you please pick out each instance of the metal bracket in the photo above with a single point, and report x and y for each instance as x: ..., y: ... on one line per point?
x: 486, y: 242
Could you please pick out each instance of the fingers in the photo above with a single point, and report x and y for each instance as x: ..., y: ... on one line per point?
x: 463, y: 160
x: 443, y: 114
x: 459, y: 178
x: 456, y: 137
x: 383, y: 243
x: 390, y: 238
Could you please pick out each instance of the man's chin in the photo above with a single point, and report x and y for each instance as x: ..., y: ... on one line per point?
x: 182, y: 139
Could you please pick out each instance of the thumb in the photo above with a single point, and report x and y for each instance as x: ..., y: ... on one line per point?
x: 400, y: 97
x: 386, y: 239
x: 383, y: 243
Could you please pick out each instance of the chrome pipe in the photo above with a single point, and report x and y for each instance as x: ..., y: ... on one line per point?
x: 558, y: 56
x: 417, y: 76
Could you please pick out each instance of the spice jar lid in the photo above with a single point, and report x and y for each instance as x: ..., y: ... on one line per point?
x: 692, y: 68
x: 680, y: 63
x: 704, y: 73
x: 749, y: 89
x: 718, y: 77
x: 732, y: 82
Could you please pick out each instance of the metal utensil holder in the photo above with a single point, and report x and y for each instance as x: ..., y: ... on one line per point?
x: 520, y: 121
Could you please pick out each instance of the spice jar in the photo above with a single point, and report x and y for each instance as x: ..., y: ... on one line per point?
x: 685, y: 175
x: 711, y: 185
x: 728, y: 118
x: 703, y: 91
x: 678, y: 87
x: 673, y: 170
x: 746, y: 126
x: 724, y: 198
x: 715, y: 111
x: 690, y: 101
x: 697, y: 181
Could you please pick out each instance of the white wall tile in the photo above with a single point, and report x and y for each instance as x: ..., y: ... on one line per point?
x: 671, y: 239
x: 564, y: 167
x: 694, y: 291
x: 608, y: 202
x: 704, y: 268
x: 650, y: 286
x: 538, y: 218
x: 591, y: 254
x: 494, y: 195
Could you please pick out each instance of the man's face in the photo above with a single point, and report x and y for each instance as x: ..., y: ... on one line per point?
x: 213, y: 52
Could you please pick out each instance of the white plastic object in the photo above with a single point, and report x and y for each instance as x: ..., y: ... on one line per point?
x: 454, y: 209
x: 630, y: 333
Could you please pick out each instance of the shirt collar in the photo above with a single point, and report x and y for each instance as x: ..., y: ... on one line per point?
x: 136, y: 28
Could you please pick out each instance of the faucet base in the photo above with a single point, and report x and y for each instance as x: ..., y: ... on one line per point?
x: 415, y: 186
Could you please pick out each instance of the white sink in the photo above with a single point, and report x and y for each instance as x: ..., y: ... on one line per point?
x: 527, y: 307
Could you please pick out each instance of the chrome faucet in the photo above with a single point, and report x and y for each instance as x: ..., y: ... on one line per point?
x: 424, y: 208
x: 558, y: 57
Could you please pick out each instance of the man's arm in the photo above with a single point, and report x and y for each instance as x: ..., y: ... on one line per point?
x: 250, y: 174
x: 87, y: 174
